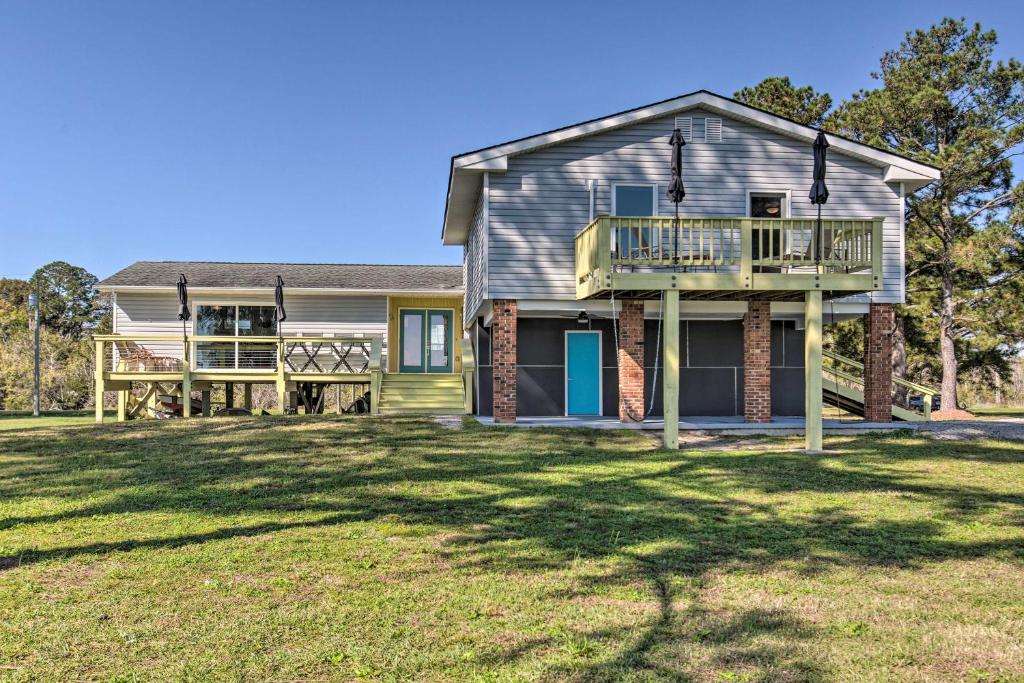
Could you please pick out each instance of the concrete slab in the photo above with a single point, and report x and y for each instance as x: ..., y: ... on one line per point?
x: 722, y: 425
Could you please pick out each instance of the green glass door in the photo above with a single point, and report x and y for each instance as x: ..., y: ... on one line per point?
x: 426, y: 339
x: 439, y: 341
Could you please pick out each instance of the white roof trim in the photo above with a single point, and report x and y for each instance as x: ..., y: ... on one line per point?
x: 455, y: 229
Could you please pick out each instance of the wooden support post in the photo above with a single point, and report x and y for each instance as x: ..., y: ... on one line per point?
x: 122, y: 404
x: 100, y: 381
x: 152, y: 400
x: 812, y: 370
x: 670, y: 394
x: 376, y: 374
x: 229, y: 394
x: 282, y: 384
x: 337, y: 397
x: 206, y: 402
x: 186, y: 391
x: 247, y: 396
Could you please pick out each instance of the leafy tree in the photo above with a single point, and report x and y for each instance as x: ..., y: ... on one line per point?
x: 945, y: 102
x: 70, y: 308
x: 13, y: 303
x: 65, y: 371
x: 779, y: 96
x: 68, y: 299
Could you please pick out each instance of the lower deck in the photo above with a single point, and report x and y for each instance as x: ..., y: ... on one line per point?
x: 165, y: 376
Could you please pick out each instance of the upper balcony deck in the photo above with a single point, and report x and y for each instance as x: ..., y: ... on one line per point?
x: 727, y: 258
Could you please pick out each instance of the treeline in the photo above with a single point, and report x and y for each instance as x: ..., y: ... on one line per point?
x: 943, y: 100
x: 70, y: 311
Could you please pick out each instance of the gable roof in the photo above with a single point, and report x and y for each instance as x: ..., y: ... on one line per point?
x: 466, y: 171
x: 328, y: 277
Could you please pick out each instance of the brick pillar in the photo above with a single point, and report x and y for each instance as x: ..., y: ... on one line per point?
x: 503, y: 359
x: 631, y: 361
x: 878, y: 328
x: 757, y: 362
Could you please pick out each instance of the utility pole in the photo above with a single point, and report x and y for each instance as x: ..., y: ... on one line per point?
x: 33, y: 302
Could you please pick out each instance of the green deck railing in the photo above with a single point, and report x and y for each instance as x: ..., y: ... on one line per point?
x: 747, y: 248
x: 196, y: 361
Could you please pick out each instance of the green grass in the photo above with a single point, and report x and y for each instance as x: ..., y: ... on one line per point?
x: 351, y: 548
x: 999, y: 411
x: 21, y: 419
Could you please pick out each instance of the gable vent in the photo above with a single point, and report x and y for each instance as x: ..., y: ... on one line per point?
x: 712, y: 130
x: 685, y: 126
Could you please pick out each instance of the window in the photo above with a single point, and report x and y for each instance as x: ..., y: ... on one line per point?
x: 235, y: 321
x: 767, y: 243
x: 768, y: 205
x: 634, y: 200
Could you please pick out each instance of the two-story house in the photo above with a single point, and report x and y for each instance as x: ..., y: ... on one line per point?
x: 586, y: 295
x: 582, y: 292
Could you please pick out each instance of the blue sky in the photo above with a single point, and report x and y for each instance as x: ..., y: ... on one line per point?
x: 322, y: 131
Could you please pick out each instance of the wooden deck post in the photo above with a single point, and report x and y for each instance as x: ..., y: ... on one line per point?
x: 186, y: 391
x: 229, y: 394
x: 122, y: 404
x: 206, y: 402
x: 247, y: 396
x: 282, y: 384
x: 812, y: 370
x: 670, y: 400
x: 99, y: 382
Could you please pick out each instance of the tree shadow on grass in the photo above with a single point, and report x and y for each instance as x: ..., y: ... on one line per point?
x: 526, y: 501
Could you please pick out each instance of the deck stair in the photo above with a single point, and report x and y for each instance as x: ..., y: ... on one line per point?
x: 843, y: 387
x: 422, y: 394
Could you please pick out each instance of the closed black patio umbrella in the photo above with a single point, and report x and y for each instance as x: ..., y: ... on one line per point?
x: 279, y: 314
x: 819, y: 191
x: 676, y: 191
x: 184, y: 315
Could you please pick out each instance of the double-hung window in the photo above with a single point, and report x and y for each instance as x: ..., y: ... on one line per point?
x: 235, y: 320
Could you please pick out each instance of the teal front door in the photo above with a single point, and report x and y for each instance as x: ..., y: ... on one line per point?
x: 583, y: 373
x: 426, y: 339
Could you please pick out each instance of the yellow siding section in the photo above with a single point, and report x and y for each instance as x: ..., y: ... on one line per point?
x: 397, y: 302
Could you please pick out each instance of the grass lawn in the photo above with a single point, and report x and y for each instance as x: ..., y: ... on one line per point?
x: 999, y: 411
x: 23, y: 420
x: 352, y: 548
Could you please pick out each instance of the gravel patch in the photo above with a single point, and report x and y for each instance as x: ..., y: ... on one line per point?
x: 449, y: 421
x: 959, y: 430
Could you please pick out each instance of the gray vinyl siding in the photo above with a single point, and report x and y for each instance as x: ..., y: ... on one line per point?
x: 156, y: 313
x: 538, y: 206
x: 474, y: 257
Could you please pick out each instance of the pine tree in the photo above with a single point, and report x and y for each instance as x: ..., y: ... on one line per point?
x: 945, y: 102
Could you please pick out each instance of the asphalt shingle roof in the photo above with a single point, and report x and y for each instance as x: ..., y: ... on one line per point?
x: 295, y: 275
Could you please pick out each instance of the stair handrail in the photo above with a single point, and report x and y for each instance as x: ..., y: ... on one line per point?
x: 926, y: 392
x: 468, y: 370
x: 919, y: 388
x: 376, y: 373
